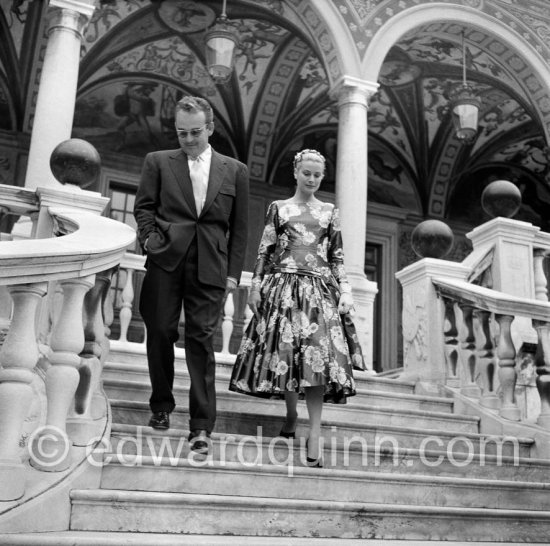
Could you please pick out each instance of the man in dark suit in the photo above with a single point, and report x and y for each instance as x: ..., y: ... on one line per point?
x: 191, y: 210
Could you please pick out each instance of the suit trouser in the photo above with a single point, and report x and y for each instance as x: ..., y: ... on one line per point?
x: 160, y: 306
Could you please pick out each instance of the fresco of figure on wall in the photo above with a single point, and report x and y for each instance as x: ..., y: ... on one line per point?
x: 135, y: 105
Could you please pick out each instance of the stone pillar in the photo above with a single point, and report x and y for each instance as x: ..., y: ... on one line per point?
x: 53, y: 118
x: 423, y: 321
x: 351, y: 197
x: 513, y: 266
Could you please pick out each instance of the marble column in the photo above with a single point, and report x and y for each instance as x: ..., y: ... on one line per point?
x: 55, y: 103
x: 352, y: 95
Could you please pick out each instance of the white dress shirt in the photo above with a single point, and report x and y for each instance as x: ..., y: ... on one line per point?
x: 199, y: 171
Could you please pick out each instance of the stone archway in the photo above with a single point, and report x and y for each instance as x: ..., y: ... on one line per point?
x: 521, y: 56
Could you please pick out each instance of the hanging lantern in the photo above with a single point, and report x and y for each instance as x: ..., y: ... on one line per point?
x: 465, y: 105
x: 221, y: 41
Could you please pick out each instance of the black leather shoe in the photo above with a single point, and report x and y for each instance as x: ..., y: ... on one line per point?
x: 160, y: 420
x: 198, y: 440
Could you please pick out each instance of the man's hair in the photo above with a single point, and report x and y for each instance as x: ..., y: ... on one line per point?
x: 196, y: 104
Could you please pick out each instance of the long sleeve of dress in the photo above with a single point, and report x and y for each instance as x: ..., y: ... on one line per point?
x: 267, y: 246
x: 336, y: 252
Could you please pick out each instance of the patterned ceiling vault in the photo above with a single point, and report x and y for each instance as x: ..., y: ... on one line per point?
x: 139, y: 57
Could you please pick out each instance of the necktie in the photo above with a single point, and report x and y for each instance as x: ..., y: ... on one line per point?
x: 199, y: 185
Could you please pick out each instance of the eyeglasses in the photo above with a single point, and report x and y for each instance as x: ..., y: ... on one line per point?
x: 193, y: 132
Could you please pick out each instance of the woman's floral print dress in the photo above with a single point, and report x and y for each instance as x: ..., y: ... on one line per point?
x: 300, y: 340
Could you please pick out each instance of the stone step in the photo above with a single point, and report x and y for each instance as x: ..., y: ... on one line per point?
x: 129, y: 511
x: 374, y: 392
x: 201, y: 476
x: 268, y: 424
x: 129, y: 441
x: 98, y: 538
x: 122, y: 364
x: 352, y: 411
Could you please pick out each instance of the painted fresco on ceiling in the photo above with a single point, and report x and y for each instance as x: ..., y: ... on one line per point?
x: 15, y: 12
x: 531, y: 153
x: 431, y: 44
x: 384, y: 121
x: 503, y: 116
x: 133, y: 117
x: 106, y: 16
x: 176, y: 56
x: 313, y: 78
x: 388, y: 180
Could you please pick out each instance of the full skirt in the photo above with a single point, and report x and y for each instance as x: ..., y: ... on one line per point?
x: 299, y: 341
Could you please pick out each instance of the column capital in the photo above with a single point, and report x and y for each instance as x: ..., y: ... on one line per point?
x: 351, y: 89
x: 84, y: 7
x: 71, y: 15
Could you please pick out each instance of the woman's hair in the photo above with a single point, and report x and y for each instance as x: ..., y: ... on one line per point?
x: 196, y: 104
x: 303, y: 155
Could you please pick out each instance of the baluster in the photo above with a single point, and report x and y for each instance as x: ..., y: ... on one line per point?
x: 450, y: 333
x: 126, y: 308
x: 542, y: 362
x: 53, y: 450
x: 227, y: 324
x: 486, y: 361
x: 108, y: 312
x: 18, y: 357
x: 468, y: 353
x: 81, y: 425
x: 541, y: 282
x: 506, y: 354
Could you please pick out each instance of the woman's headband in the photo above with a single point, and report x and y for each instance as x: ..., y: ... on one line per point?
x: 299, y: 157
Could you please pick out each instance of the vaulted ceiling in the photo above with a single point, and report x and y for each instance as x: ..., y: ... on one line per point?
x: 139, y: 57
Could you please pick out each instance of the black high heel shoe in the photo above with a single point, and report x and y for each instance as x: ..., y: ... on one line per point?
x: 288, y: 435
x: 313, y: 463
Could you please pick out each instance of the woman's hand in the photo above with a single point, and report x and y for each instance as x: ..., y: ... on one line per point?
x: 345, y: 304
x: 254, y: 300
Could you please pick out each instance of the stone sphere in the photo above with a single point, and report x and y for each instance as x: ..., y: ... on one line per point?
x: 432, y: 239
x: 501, y: 198
x: 75, y: 161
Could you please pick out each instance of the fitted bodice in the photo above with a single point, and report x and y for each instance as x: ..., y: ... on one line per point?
x: 301, y: 238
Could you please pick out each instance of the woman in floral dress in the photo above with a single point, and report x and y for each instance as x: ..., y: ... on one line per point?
x: 301, y: 340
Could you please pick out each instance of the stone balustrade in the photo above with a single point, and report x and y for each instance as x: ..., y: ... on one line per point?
x: 57, y: 285
x: 480, y: 353
x: 476, y: 326
x: 124, y: 306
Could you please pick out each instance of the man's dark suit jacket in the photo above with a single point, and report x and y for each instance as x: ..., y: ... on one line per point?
x: 167, y: 218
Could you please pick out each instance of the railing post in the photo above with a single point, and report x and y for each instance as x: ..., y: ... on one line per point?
x: 486, y: 364
x: 468, y: 353
x: 18, y: 357
x: 506, y: 354
x: 227, y: 324
x: 541, y: 282
x: 53, y: 449
x: 127, y: 297
x: 423, y: 319
x: 542, y: 362
x: 81, y: 424
x: 450, y: 334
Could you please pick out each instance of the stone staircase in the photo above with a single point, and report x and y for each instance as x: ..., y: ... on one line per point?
x: 397, y: 467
